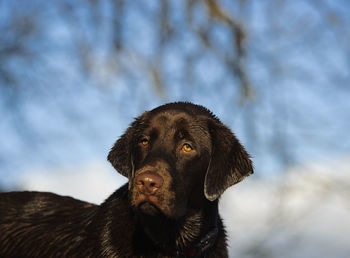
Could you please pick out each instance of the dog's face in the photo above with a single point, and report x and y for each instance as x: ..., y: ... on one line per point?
x: 176, y: 157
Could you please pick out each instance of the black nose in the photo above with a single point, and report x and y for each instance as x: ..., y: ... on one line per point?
x: 148, y: 182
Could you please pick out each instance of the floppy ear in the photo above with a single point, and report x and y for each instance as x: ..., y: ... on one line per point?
x: 120, y: 154
x: 229, y: 163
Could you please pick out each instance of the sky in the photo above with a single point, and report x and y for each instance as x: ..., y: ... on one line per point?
x: 59, y: 114
x: 63, y: 111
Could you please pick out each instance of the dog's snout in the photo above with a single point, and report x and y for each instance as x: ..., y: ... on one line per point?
x: 148, y: 182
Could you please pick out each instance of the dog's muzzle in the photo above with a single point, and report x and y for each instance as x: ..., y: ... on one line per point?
x: 148, y: 183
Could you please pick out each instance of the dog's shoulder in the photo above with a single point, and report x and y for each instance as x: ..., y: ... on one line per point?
x: 113, y: 226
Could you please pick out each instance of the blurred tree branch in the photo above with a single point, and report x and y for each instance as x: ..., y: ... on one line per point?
x: 249, y: 55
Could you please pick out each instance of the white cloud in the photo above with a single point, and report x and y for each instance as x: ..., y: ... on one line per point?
x: 304, y: 213
x: 92, y: 182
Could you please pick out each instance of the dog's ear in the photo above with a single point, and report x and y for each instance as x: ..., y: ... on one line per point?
x: 229, y: 163
x: 120, y: 154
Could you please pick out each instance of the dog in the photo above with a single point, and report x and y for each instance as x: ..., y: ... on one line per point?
x: 179, y: 159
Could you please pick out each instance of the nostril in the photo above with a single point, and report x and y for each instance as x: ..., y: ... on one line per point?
x: 148, y: 182
x: 140, y: 182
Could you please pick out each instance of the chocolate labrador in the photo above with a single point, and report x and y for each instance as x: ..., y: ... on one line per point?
x: 179, y: 158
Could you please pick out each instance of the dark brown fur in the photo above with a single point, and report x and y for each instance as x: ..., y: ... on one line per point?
x: 182, y: 211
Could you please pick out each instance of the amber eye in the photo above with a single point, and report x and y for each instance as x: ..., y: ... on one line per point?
x: 144, y: 142
x: 187, y: 148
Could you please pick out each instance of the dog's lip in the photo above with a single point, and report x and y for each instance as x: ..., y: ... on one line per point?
x: 143, y: 198
x: 146, y: 203
x: 147, y: 198
x: 148, y: 207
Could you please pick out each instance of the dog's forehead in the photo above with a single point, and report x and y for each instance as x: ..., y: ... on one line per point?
x: 172, y: 122
x: 172, y: 119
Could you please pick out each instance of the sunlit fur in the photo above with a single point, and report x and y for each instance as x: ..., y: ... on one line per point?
x: 175, y: 217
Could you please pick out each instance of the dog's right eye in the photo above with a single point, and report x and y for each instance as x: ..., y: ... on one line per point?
x: 144, y: 142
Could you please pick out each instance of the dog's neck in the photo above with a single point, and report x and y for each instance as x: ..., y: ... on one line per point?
x: 178, y: 235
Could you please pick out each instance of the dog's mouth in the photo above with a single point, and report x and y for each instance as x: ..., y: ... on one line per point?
x: 148, y: 208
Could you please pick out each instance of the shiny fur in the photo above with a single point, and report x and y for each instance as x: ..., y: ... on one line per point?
x: 129, y: 224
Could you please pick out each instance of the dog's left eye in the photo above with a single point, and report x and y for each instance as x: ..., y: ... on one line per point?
x: 187, y: 148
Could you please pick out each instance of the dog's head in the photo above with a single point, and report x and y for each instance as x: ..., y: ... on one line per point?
x: 177, y: 156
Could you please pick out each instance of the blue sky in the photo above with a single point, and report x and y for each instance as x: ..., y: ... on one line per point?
x: 297, y: 62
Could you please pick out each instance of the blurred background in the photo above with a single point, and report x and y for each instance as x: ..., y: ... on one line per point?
x: 74, y: 74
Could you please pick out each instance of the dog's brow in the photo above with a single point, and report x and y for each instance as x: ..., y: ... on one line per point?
x: 181, y: 134
x: 154, y: 133
x: 162, y: 119
x: 181, y: 121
